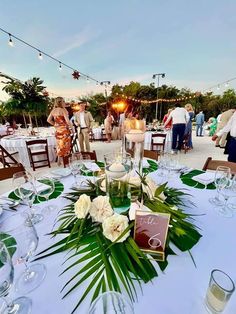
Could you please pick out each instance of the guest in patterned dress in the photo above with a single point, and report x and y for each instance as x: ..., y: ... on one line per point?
x: 59, y: 118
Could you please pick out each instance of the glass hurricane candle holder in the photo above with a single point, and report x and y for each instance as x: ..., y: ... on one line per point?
x: 117, y: 169
x: 134, y: 141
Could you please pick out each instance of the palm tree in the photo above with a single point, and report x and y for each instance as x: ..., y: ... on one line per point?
x: 26, y: 97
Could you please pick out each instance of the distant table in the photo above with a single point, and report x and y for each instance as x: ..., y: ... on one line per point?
x: 3, y: 130
x: 14, y: 143
x: 148, y: 140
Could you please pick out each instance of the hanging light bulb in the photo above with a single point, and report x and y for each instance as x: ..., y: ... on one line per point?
x: 40, y: 55
x: 87, y: 80
x: 218, y: 87
x: 10, y: 42
x: 60, y: 67
x: 227, y: 84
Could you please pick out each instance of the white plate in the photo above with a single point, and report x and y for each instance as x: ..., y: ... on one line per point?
x: 63, y: 172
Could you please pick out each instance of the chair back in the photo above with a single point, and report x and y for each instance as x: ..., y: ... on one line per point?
x: 211, y: 164
x: 151, y: 154
x: 89, y: 155
x: 6, y: 158
x: 158, y: 145
x: 74, y: 143
x: 35, y: 149
x: 7, y: 173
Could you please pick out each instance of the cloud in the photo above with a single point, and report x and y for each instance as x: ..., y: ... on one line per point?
x: 77, y: 41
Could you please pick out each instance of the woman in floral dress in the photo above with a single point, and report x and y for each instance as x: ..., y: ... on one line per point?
x: 58, y: 117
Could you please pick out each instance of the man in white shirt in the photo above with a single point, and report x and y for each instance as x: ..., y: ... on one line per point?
x: 230, y: 127
x: 83, y: 120
x: 180, y: 118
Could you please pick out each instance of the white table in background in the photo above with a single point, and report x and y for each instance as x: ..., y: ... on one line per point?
x: 15, y: 143
x: 3, y: 130
x: 179, y: 290
x: 148, y: 140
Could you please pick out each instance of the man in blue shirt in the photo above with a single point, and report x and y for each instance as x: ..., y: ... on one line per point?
x: 200, y: 118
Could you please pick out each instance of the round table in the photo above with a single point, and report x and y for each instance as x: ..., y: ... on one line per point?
x: 15, y: 143
x: 180, y: 289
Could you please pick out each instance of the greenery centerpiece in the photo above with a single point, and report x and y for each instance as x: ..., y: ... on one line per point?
x: 102, y: 251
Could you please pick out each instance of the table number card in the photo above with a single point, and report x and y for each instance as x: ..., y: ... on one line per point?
x: 150, y: 232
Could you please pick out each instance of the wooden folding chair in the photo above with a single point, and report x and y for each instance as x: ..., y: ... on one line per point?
x: 7, y: 173
x: 74, y: 143
x: 159, y: 146
x: 152, y: 154
x: 89, y: 155
x: 7, y: 158
x: 211, y: 164
x: 35, y: 149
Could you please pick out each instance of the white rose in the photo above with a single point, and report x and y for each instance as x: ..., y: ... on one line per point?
x: 114, y: 226
x: 101, y: 208
x: 82, y: 206
x: 150, y: 188
x: 162, y: 196
x: 103, y: 185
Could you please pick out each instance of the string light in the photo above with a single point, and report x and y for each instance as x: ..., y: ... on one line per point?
x: 40, y: 55
x: 227, y: 84
x: 10, y: 42
x: 43, y: 53
x: 60, y: 67
x: 218, y: 87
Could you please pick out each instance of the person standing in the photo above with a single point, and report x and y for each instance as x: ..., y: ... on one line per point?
x: 200, y: 119
x: 180, y: 118
x: 83, y: 120
x: 225, y: 116
x: 188, y: 130
x: 59, y: 118
x: 230, y: 127
x: 108, y: 126
x: 168, y: 130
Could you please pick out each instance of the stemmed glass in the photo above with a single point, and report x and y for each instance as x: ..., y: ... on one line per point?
x: 111, y: 302
x: 27, y: 242
x: 222, y: 176
x: 44, y: 190
x: 75, y: 165
x: 20, y: 305
x: 227, y: 192
x: 23, y: 183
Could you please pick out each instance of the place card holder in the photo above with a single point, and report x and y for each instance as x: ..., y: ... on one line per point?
x: 150, y: 232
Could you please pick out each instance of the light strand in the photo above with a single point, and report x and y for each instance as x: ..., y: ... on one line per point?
x: 42, y: 53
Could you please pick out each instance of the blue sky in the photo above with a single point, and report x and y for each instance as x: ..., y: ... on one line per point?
x: 193, y: 42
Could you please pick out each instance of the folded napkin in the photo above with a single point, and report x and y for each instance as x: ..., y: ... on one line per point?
x: 205, y: 178
x: 39, y: 186
x: 145, y: 163
x: 91, y: 166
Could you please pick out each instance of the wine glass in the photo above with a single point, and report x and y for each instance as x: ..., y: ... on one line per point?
x: 232, y: 206
x: 23, y: 183
x: 45, y: 187
x: 222, y: 175
x: 228, y: 191
x: 27, y: 242
x: 111, y: 302
x: 75, y: 165
x: 20, y: 305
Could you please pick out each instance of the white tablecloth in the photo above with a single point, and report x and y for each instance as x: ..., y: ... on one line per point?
x: 180, y: 290
x: 3, y: 130
x: 148, y: 140
x: 17, y: 143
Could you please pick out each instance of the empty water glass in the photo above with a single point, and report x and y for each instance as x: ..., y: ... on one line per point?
x: 20, y: 305
x: 111, y: 302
